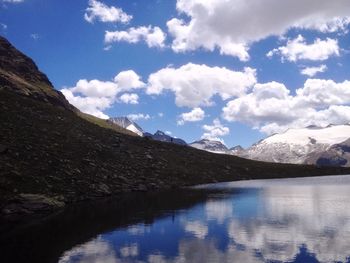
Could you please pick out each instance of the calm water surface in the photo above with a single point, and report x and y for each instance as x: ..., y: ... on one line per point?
x: 292, y: 220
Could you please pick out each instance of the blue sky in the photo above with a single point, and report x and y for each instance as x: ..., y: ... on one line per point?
x: 232, y: 70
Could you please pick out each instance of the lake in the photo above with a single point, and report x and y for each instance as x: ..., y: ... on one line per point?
x: 288, y: 220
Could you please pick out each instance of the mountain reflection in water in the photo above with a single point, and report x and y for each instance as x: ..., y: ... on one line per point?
x: 294, y: 220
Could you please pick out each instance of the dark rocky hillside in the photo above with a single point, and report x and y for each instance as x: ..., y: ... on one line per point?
x: 51, y: 154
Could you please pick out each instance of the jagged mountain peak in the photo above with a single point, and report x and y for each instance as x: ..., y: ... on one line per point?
x: 162, y: 136
x: 160, y: 133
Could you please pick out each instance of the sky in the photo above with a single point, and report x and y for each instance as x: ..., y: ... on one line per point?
x: 230, y: 70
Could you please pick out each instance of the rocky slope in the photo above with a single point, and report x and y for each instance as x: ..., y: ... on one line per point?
x: 336, y: 155
x: 51, y: 154
x: 311, y: 145
x: 18, y: 73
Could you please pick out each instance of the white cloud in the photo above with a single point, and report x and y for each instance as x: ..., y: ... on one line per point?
x: 13, y: 1
x: 129, y: 250
x: 99, y: 11
x: 168, y: 133
x: 330, y: 26
x: 298, y: 49
x: 139, y: 116
x: 153, y: 36
x: 107, y: 48
x: 312, y: 71
x: 232, y: 25
x: 96, y: 250
x: 3, y: 26
x: 215, y: 131
x: 271, y: 108
x: 128, y: 79
x: 197, y: 114
x: 91, y: 105
x: 95, y: 96
x: 129, y: 98
x: 96, y: 88
x: 195, y: 85
x: 197, y: 228
x: 34, y: 36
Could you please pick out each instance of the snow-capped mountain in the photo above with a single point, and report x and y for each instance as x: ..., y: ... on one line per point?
x: 163, y: 137
x: 336, y: 155
x: 236, y: 150
x: 312, y: 145
x: 210, y: 146
x: 128, y: 124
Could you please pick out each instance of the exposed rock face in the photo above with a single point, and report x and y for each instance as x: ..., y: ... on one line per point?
x: 19, y: 73
x: 162, y: 137
x: 31, y: 203
x: 336, y: 155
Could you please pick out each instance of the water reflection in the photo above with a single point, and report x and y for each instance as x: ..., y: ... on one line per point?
x: 281, y: 221
x: 299, y: 220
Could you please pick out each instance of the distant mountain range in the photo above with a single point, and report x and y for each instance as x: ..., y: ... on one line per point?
x: 312, y: 145
x: 161, y: 136
x: 329, y: 146
x: 132, y: 126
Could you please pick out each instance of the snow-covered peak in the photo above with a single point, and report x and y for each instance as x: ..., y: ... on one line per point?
x: 162, y: 136
x: 210, y: 146
x: 306, y: 145
x: 128, y: 124
x: 329, y: 135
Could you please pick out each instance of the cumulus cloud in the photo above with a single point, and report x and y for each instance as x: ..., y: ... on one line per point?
x: 194, y: 85
x: 298, y: 49
x: 312, y: 71
x: 99, y: 11
x: 271, y: 108
x: 128, y: 79
x: 232, y: 25
x: 129, y: 98
x: 95, y: 96
x: 91, y: 105
x: 215, y: 131
x: 153, y: 36
x: 197, y: 114
x: 139, y: 116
